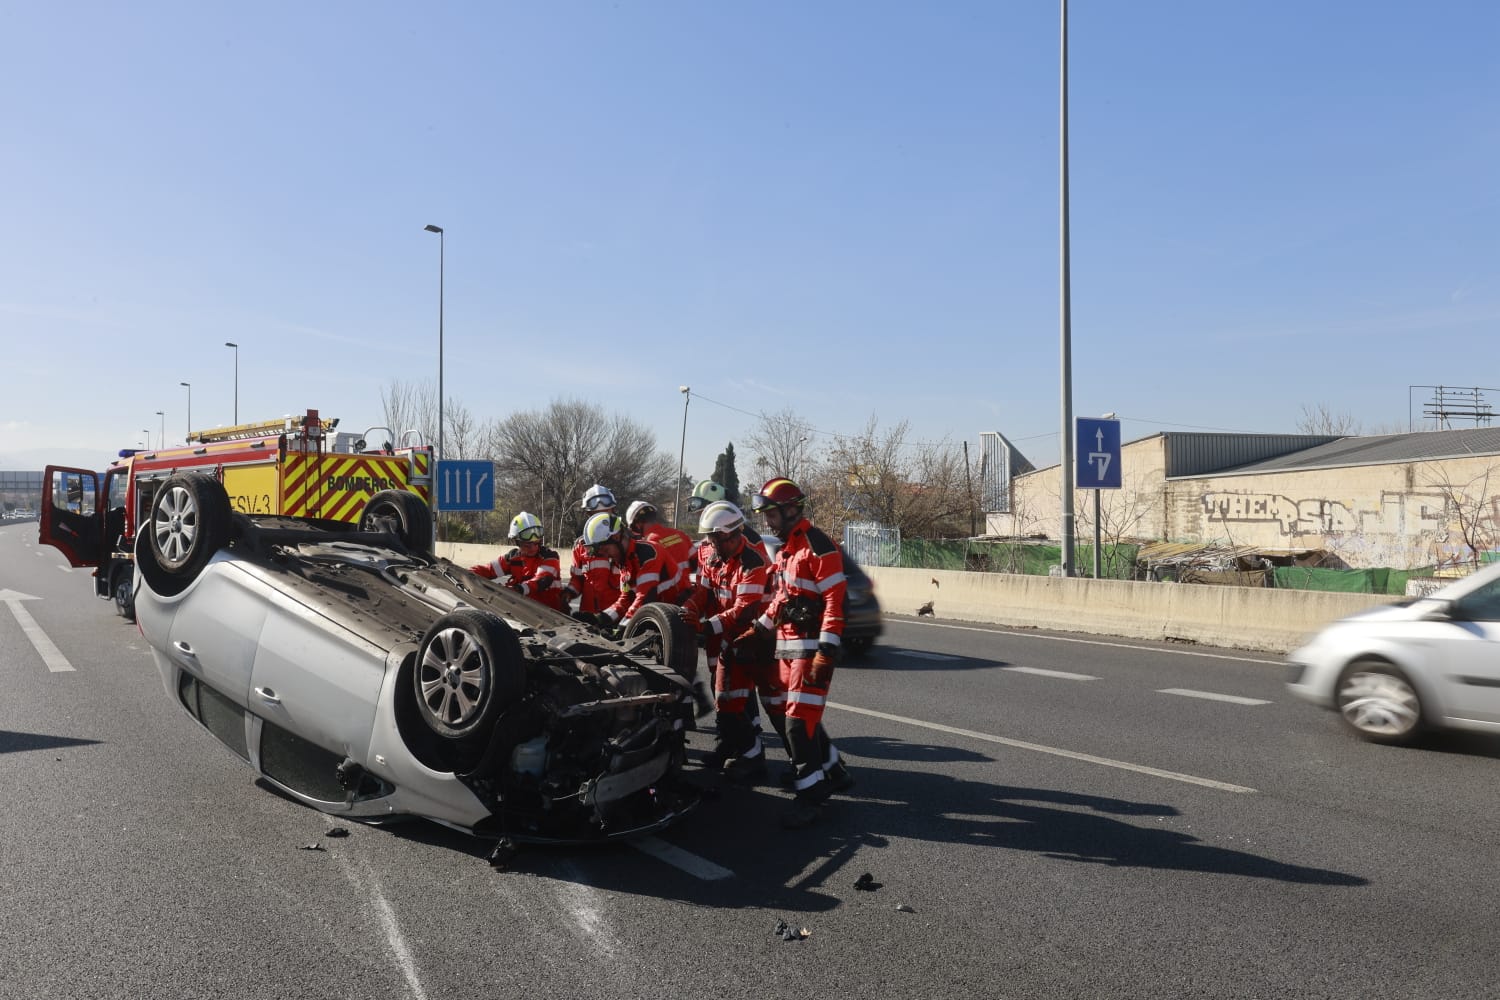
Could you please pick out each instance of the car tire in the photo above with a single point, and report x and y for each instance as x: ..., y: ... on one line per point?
x: 469, y: 669
x: 121, y: 588
x: 1379, y: 703
x: 190, y: 520
x: 402, y: 514
x: 677, y: 645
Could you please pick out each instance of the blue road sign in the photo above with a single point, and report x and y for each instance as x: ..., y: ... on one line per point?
x: 1097, y: 453
x: 465, y: 485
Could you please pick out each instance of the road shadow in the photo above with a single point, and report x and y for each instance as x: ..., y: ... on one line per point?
x: 916, y: 660
x: 13, y: 742
x: 883, y: 748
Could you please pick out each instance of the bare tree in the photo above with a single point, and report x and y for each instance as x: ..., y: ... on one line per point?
x: 1469, y: 505
x: 1321, y: 420
x: 546, y: 459
x: 779, y: 442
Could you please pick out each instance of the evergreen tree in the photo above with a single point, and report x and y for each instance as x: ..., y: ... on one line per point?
x: 726, y: 476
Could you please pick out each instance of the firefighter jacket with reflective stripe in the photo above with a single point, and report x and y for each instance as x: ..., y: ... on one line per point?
x: 594, y: 578
x: 809, y: 578
x: 646, y: 574
x: 538, y: 577
x: 731, y: 592
x: 704, y: 551
x: 672, y: 541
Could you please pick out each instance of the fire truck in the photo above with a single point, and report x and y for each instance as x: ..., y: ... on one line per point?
x: 295, y: 467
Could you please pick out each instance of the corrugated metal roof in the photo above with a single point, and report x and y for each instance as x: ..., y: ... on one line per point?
x: 1198, y: 454
x: 1381, y: 449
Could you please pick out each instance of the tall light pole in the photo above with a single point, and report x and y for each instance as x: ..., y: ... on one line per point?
x: 1066, y: 333
x: 190, y: 411
x: 147, y: 442
x: 236, y: 347
x: 687, y: 395
x: 441, y: 249
x: 161, y: 439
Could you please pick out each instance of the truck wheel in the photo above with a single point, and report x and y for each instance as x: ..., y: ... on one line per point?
x: 676, y: 646
x: 189, y: 523
x: 469, y: 668
x: 121, y: 587
x: 402, y: 514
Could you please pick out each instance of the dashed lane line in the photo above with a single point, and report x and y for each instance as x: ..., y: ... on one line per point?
x: 678, y: 858
x: 1087, y: 758
x: 1233, y: 699
x: 1060, y: 674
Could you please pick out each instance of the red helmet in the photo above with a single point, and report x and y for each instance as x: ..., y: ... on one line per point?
x: 778, y: 493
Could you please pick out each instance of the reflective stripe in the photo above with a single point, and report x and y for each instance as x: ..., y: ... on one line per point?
x: 547, y: 571
x: 717, y: 625
x: 754, y: 751
x: 769, y: 700
x: 795, y: 649
x: 823, y: 585
x: 803, y: 784
x: 804, y: 698
x: 833, y: 757
x: 732, y: 695
x: 811, y: 586
x: 611, y: 614
x: 646, y: 578
x: 833, y: 638
x: 765, y: 622
x: 750, y: 588
x: 724, y: 594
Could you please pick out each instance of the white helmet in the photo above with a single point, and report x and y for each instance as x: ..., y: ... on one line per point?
x: 635, y: 510
x: 720, y: 518
x: 598, y: 498
x: 525, y: 527
x: 603, y: 527
x: 706, y: 492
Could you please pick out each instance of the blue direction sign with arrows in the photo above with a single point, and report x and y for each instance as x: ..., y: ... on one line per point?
x: 465, y: 485
x: 1097, y: 452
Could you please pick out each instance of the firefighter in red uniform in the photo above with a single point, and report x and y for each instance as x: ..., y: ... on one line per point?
x: 807, y: 613
x: 530, y: 567
x: 592, y: 580
x: 646, y: 574
x: 729, y: 595
x: 645, y: 522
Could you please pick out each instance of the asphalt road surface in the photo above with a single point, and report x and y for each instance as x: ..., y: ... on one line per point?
x: 1046, y: 815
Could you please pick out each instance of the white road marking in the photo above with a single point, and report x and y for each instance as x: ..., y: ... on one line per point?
x: 367, y: 882
x: 46, y: 649
x: 917, y: 654
x: 1211, y: 696
x: 1050, y: 673
x: 1026, y: 634
x: 678, y: 858
x: 1055, y: 751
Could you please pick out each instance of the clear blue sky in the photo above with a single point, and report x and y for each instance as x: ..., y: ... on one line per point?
x: 845, y: 207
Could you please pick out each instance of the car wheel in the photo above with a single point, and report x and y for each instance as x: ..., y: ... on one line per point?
x: 121, y: 587
x: 469, y: 669
x: 1378, y: 702
x: 402, y: 514
x: 189, y: 523
x: 858, y: 648
x: 676, y: 645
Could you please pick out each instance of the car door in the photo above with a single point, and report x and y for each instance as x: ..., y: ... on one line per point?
x: 72, y: 516
x: 316, y: 680
x: 1470, y: 655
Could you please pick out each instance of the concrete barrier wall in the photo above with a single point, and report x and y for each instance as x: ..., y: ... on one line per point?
x: 1241, y: 617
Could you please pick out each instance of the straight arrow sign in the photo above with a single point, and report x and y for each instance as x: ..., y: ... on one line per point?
x: 1098, y: 450
x: 46, y: 649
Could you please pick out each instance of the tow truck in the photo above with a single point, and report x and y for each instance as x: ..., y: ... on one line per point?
x: 297, y: 466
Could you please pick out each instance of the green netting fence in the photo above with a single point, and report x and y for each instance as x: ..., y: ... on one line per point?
x: 980, y: 556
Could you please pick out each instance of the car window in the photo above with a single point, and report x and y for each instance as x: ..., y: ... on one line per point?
x: 1481, y: 605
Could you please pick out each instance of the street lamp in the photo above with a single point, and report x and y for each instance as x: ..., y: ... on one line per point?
x: 147, y: 442
x: 189, y: 437
x: 161, y: 439
x: 441, y: 248
x: 236, y: 347
x: 687, y: 395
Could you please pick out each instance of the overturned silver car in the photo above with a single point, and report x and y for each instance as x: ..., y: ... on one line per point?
x: 363, y: 676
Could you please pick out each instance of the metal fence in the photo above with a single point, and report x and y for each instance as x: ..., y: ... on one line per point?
x: 873, y: 544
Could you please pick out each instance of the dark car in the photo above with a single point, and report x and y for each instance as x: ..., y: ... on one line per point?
x: 364, y: 677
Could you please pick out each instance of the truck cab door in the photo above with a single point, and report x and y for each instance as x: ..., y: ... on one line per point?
x: 73, y: 512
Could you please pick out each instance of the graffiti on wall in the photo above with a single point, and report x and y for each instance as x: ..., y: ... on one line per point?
x: 1396, y: 513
